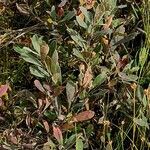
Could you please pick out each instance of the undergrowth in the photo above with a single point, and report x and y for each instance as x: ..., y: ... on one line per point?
x: 74, y: 74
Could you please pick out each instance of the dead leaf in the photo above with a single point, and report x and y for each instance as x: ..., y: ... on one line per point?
x: 147, y: 92
x: 82, y: 2
x: 58, y: 90
x: 58, y: 134
x: 2, y: 8
x: 23, y: 8
x: 90, y: 4
x: 105, y: 41
x: 108, y: 23
x: 49, y: 145
x: 86, y: 103
x: 106, y: 26
x: 29, y: 145
x: 28, y: 120
x: 112, y: 83
x: 13, y: 138
x: 70, y: 91
x: 80, y: 14
x: 3, y: 38
x: 67, y: 126
x: 87, y: 77
x: 44, y: 49
x: 83, y: 116
x: 39, y: 86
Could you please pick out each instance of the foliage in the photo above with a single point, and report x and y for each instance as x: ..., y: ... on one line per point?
x: 74, y: 74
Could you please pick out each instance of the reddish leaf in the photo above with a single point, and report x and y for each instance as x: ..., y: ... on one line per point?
x: 13, y: 138
x: 47, y: 104
x: 47, y: 87
x: 46, y: 126
x: 122, y: 62
x: 58, y: 134
x: 3, y: 89
x: 39, y: 85
x: 83, y: 116
x: 40, y: 103
x: 60, y: 11
x: 1, y: 102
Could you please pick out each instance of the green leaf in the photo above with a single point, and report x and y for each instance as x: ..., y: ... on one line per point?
x: 38, y: 71
x: 141, y: 122
x: 26, y: 54
x: 50, y: 115
x: 86, y: 13
x: 70, y: 91
x: 53, y: 12
x: 52, y: 47
x: 48, y: 64
x: 77, y: 53
x: 52, y: 66
x: 70, y: 141
x: 79, y: 144
x: 36, y: 42
x: 143, y: 56
x: 128, y: 78
x: 77, y: 38
x: 99, y: 79
x: 31, y: 59
x: 69, y: 16
x: 126, y: 39
x: 144, y: 101
x: 81, y: 22
x: 55, y: 56
x: 28, y: 50
x: 19, y: 50
x: 25, y: 51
